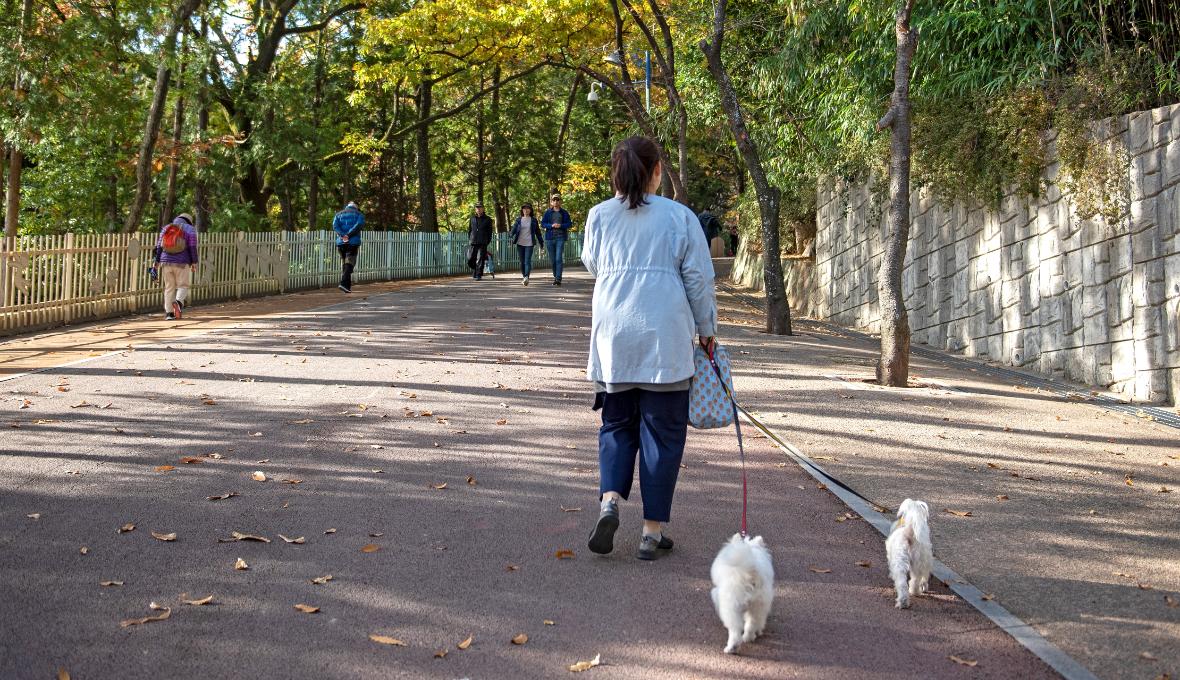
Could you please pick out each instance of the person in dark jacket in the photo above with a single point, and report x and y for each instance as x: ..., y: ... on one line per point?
x: 177, y: 260
x: 526, y: 234
x: 347, y: 224
x: 556, y: 222
x: 479, y: 234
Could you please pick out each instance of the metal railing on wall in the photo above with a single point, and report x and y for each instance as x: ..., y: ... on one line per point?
x: 48, y: 281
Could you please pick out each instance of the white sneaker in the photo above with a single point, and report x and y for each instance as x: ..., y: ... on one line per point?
x: 525, y: 280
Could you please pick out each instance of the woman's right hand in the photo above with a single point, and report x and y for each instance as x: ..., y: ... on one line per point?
x: 707, y: 343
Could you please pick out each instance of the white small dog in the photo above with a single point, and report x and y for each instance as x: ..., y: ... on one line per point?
x: 909, y: 551
x: 743, y: 588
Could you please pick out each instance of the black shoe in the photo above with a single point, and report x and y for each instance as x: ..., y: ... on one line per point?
x: 602, y: 539
x: 648, y: 545
x: 344, y: 288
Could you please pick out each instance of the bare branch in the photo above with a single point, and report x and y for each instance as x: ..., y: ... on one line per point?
x: 321, y: 25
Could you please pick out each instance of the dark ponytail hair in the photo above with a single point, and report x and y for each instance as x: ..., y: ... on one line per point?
x: 631, y: 166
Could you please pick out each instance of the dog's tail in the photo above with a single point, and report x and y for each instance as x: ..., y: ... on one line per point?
x: 914, y: 516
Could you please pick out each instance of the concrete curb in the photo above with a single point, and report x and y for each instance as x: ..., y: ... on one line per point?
x: 1022, y: 632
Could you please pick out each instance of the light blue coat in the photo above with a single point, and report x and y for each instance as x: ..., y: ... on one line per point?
x: 654, y: 291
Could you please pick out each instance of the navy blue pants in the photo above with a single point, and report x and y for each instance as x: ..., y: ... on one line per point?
x: 654, y: 424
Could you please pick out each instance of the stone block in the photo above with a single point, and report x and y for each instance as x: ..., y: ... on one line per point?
x: 1074, y: 269
x: 1120, y: 255
x: 1170, y: 171
x: 1138, y: 132
x: 1122, y: 361
x: 1012, y: 347
x: 1145, y: 181
x: 1051, y: 363
x: 995, y: 347
x: 1151, y: 387
x: 1095, y: 327
x: 1146, y: 245
x: 1174, y: 386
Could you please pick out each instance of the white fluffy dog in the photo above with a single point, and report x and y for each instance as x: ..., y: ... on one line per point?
x: 743, y: 588
x: 909, y: 551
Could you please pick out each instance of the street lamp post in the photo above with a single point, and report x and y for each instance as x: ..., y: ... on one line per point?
x: 616, y: 58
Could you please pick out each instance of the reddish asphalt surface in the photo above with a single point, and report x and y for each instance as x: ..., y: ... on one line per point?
x: 372, y: 405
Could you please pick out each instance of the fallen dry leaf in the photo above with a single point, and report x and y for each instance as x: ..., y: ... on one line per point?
x: 84, y: 550
x: 502, y: 421
x: 197, y: 603
x: 307, y: 608
x: 321, y: 580
x: 963, y: 662
x: 329, y: 531
x: 214, y: 456
x: 63, y: 674
x: 292, y: 481
x: 377, y: 534
x: 549, y: 622
x: 511, y: 567
x: 239, y: 536
x: 299, y: 540
x: 466, y: 643
x: 1148, y: 656
x: 586, y: 665
x: 866, y: 564
x: 370, y: 548
x: 439, y: 487
x: 820, y: 570
x: 164, y: 537
x: 108, y: 584
x: 564, y: 554
x: 520, y: 639
x: 471, y: 480
x: 165, y: 468
x: 386, y: 640
x: 241, y: 565
x: 222, y: 496
x: 164, y: 613
x: 192, y: 460
x: 209, y: 402
x: 958, y: 513
x: 126, y: 527
x: 1171, y: 601
x: 440, y: 654
x: 565, y: 509
x: 1144, y: 586
x: 301, y: 421
x: 258, y: 476
x: 1002, y: 497
x: 34, y: 515
x: 1129, y: 481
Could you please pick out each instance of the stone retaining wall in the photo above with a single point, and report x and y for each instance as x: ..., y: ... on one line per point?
x: 798, y: 276
x: 1028, y: 283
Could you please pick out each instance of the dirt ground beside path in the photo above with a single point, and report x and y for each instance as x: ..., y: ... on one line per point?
x: 448, y: 425
x: 1074, y: 524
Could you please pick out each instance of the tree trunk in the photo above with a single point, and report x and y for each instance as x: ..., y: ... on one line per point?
x: 313, y: 201
x: 497, y: 158
x: 481, y: 152
x: 558, y: 168
x: 287, y: 208
x: 151, y: 128
x: 200, y: 187
x: 174, y: 161
x: 427, y: 208
x: 778, y: 313
x: 16, y: 156
x: 893, y: 368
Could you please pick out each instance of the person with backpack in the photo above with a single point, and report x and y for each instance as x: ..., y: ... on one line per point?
x: 526, y: 234
x: 479, y: 235
x: 176, y: 258
x: 556, y: 222
x: 347, y: 224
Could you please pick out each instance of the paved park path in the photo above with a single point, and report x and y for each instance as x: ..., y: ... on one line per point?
x: 432, y: 449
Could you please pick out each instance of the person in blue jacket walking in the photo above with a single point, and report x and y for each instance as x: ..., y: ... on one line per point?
x: 556, y: 222
x: 347, y: 225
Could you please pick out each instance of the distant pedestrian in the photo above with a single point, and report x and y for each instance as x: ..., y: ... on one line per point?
x: 654, y: 292
x: 347, y: 224
x: 713, y: 228
x: 526, y: 234
x: 479, y: 234
x: 556, y: 222
x: 176, y: 255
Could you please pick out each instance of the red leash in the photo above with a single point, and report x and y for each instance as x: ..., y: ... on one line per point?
x: 736, y: 425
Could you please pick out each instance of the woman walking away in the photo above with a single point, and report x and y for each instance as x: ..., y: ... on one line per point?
x: 526, y: 234
x: 654, y: 291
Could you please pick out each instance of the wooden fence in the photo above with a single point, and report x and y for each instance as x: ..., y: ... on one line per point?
x: 48, y: 281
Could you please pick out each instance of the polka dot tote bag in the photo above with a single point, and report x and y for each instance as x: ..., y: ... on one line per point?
x: 710, y: 405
